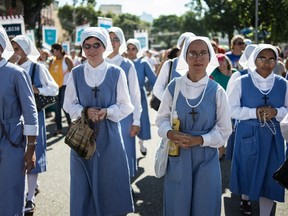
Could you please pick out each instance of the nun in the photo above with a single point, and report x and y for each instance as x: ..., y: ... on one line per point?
x: 18, y: 130
x: 100, y: 185
x: 258, y: 101
x: 192, y: 184
x: 43, y: 84
x: 130, y: 126
x: 144, y: 71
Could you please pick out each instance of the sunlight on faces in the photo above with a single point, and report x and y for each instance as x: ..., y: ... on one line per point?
x: 265, y: 62
x: 93, y: 48
x: 132, y: 51
x: 197, y: 56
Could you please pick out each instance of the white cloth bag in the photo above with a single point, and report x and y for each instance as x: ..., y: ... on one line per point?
x: 162, y: 151
x: 284, y: 127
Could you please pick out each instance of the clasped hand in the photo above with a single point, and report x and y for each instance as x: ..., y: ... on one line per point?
x: 96, y: 114
x: 184, y: 140
x: 266, y: 113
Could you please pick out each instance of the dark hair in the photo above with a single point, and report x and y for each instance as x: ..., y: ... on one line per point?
x: 57, y: 46
x: 173, y: 53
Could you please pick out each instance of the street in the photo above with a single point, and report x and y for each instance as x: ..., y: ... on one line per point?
x: 54, y: 184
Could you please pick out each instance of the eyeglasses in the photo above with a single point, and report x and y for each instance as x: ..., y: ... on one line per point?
x: 195, y: 55
x: 115, y: 39
x: 240, y: 43
x: 95, y: 46
x: 268, y: 61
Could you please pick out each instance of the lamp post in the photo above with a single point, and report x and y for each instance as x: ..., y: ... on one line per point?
x: 256, y: 21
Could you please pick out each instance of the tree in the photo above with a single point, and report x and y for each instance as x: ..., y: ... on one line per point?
x: 226, y: 16
x: 190, y: 22
x: 128, y: 23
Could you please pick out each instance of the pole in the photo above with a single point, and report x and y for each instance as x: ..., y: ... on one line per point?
x: 256, y: 21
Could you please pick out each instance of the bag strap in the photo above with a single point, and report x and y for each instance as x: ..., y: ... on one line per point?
x: 7, y: 136
x: 33, y: 73
x: 170, y: 70
x: 175, y: 96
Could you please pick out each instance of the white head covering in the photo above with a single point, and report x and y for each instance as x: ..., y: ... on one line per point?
x: 101, y: 34
x: 119, y: 33
x: 182, y: 66
x: 183, y: 37
x: 27, y: 46
x: 246, y: 54
x: 5, y: 44
x: 251, y: 61
x: 136, y: 43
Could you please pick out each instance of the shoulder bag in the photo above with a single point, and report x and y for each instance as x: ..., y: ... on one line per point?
x: 42, y: 101
x: 281, y: 175
x: 161, y: 156
x: 81, y: 137
x: 155, y: 102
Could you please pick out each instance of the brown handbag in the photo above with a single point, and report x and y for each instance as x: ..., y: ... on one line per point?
x: 81, y: 138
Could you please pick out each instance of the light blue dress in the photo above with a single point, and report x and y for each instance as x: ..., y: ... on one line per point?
x: 41, y: 161
x: 144, y: 70
x: 126, y: 123
x: 16, y: 98
x: 257, y: 152
x: 192, y: 184
x: 100, y: 186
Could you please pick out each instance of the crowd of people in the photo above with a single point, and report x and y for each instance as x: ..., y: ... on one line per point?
x: 230, y: 105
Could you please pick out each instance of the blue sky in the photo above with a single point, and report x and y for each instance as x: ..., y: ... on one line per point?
x: 137, y: 7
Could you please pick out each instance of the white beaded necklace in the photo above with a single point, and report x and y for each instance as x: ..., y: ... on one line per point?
x: 273, y: 129
x: 202, y: 97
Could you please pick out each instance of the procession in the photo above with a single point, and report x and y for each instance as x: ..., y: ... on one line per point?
x: 106, y: 124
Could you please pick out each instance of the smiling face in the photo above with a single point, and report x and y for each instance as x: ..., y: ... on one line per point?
x: 197, y: 58
x: 265, y: 62
x: 93, y: 49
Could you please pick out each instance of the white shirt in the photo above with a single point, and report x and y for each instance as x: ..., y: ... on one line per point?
x: 94, y: 77
x: 244, y: 113
x: 49, y: 86
x: 134, y: 88
x: 162, y: 80
x: 220, y: 133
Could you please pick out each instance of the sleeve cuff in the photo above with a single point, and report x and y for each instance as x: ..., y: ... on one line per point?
x: 206, y: 139
x: 252, y: 113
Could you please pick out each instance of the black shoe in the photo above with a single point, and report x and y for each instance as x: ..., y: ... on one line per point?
x: 57, y: 132
x: 245, y: 207
x: 37, y: 191
x: 143, y: 151
x: 29, y: 207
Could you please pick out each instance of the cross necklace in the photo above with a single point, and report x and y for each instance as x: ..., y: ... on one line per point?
x: 265, y: 97
x: 193, y: 113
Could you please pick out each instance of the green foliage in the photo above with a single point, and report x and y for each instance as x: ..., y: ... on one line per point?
x: 225, y: 16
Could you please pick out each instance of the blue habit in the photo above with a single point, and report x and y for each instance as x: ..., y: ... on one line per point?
x: 258, y: 152
x: 100, y: 186
x: 192, y: 183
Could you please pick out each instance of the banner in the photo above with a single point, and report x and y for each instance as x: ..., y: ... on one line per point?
x: 142, y: 36
x: 105, y: 22
x: 79, y: 30
x: 13, y: 25
x: 50, y: 35
x: 66, y: 47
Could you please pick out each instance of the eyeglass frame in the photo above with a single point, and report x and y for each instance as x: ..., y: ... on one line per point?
x: 115, y: 39
x: 195, y: 55
x: 265, y: 60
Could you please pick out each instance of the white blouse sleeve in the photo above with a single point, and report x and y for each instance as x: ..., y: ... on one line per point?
x: 135, y: 94
x: 162, y: 80
x: 49, y: 86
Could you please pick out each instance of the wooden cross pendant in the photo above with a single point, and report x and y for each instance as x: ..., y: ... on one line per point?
x: 95, y: 90
x: 193, y: 113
